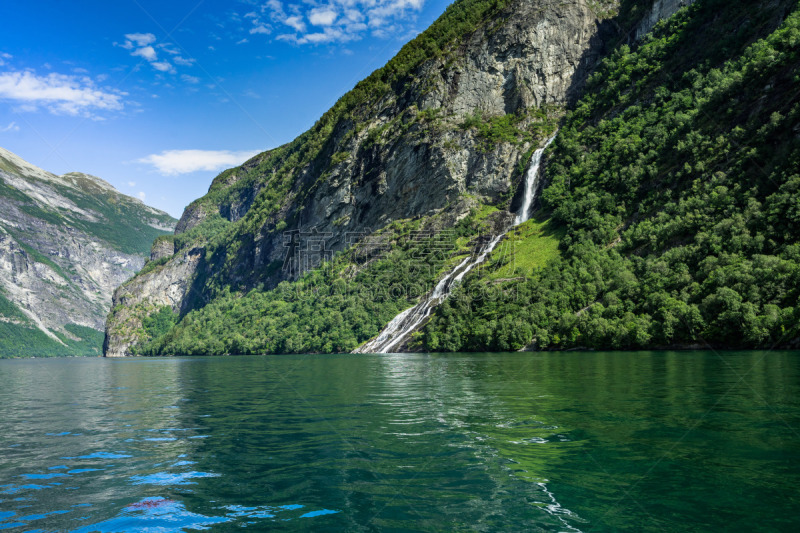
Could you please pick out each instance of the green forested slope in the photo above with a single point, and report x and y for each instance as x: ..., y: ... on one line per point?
x: 330, y: 310
x: 669, y: 214
x: 677, y: 182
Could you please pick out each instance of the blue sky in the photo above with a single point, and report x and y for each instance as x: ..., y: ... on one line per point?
x: 157, y: 97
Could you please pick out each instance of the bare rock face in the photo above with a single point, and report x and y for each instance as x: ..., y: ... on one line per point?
x: 168, y: 285
x: 192, y: 216
x: 162, y: 249
x: 60, y: 253
x: 533, y: 58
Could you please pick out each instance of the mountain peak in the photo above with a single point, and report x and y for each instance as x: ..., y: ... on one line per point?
x: 65, y: 243
x: 14, y: 164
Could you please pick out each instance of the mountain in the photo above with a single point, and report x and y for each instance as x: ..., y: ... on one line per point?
x: 663, y: 211
x: 66, y: 242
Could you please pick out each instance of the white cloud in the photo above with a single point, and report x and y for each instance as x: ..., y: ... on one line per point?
x: 174, y: 162
x: 163, y: 66
x: 354, y: 15
x: 141, y: 39
x: 190, y: 79
x: 11, y: 127
x: 295, y: 22
x: 146, y: 52
x: 242, y: 41
x: 140, y: 44
x: 328, y: 35
x: 168, y: 48
x: 144, y: 45
x: 260, y: 28
x: 336, y: 21
x: 322, y: 16
x: 131, y: 184
x: 141, y: 196
x: 59, y: 93
x: 183, y: 61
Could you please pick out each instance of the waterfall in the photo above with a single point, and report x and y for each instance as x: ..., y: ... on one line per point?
x: 531, y: 181
x: 403, y: 325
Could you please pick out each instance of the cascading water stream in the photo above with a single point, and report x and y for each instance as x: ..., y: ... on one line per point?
x: 531, y: 181
x: 401, y: 326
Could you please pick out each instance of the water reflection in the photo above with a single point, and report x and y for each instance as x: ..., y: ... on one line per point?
x: 477, y: 442
x: 462, y: 399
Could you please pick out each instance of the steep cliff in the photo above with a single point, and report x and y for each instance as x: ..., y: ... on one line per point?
x: 444, y: 127
x: 66, y: 242
x: 406, y: 176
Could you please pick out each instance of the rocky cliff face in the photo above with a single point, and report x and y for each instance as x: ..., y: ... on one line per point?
x: 533, y: 55
x: 66, y: 242
x: 454, y: 131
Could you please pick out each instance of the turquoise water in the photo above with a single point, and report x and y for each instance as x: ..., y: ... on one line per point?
x: 690, y: 441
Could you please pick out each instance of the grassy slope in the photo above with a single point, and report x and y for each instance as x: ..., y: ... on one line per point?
x: 676, y: 181
x: 530, y: 247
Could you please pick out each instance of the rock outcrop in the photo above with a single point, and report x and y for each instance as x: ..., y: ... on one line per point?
x: 166, y: 287
x: 661, y: 9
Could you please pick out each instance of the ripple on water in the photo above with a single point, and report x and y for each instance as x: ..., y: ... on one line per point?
x: 102, y: 455
x: 168, y: 516
x: 43, y: 476
x: 170, y: 478
x: 22, y: 521
x: 154, y: 514
x: 13, y: 489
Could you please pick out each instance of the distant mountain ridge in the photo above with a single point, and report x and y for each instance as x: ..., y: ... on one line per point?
x: 66, y: 242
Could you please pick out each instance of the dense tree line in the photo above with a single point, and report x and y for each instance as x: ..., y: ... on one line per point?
x: 677, y: 179
x: 330, y: 309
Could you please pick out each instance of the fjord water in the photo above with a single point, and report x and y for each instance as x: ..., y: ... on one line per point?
x: 689, y: 441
